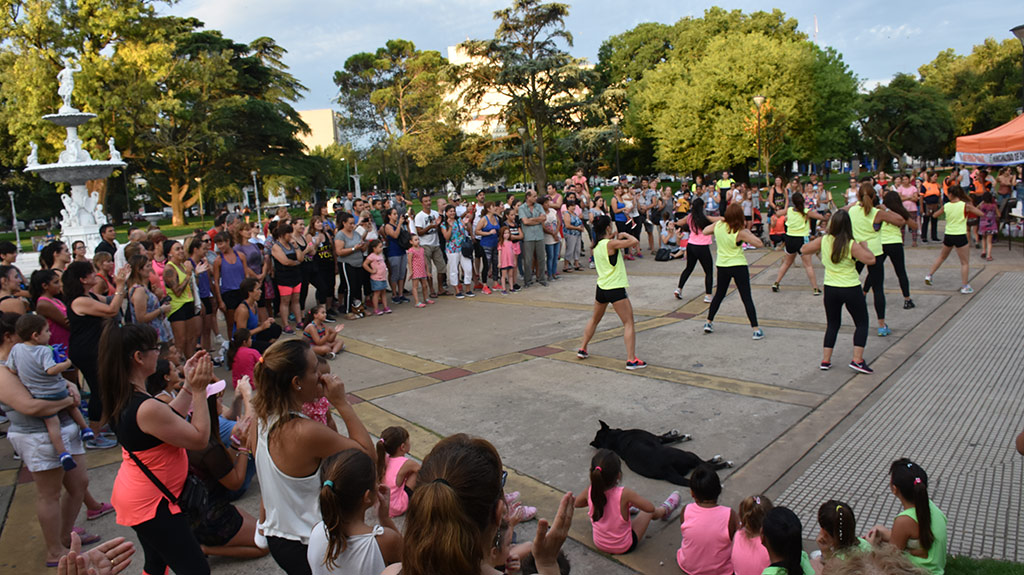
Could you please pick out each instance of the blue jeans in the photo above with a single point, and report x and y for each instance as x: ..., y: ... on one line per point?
x: 552, y: 252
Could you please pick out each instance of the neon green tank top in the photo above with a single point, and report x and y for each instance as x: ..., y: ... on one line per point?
x: 842, y: 274
x: 864, y: 228
x: 608, y: 276
x: 177, y: 301
x: 797, y: 225
x: 935, y: 562
x: 729, y: 254
x: 805, y: 566
x: 956, y: 218
x: 891, y: 234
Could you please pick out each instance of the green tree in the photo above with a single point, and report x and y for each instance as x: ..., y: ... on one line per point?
x: 396, y: 95
x: 983, y: 87
x: 524, y: 62
x: 905, y: 117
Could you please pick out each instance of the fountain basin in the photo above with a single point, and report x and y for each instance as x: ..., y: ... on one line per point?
x: 69, y: 119
x: 76, y: 173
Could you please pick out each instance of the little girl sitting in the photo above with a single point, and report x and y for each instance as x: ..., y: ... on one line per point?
x: 781, y: 535
x: 749, y: 557
x: 707, y: 527
x: 241, y: 356
x: 838, y: 535
x: 342, y: 542
x: 609, y: 505
x: 394, y: 470
x: 163, y: 384
x: 324, y: 340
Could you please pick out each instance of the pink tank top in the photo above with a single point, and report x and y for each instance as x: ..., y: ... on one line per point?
x: 706, y: 548
x: 58, y: 333
x: 697, y: 236
x: 612, y: 534
x: 749, y: 557
x: 399, y: 498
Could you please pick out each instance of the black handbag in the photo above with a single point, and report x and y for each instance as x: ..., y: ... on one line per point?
x: 194, y: 497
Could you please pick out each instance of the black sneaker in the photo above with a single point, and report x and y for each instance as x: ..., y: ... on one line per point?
x: 582, y: 353
x: 516, y: 287
x: 908, y: 304
x: 861, y: 367
x: 331, y: 318
x: 825, y: 366
x: 636, y: 363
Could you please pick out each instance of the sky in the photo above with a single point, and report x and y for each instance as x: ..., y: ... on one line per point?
x: 876, y: 38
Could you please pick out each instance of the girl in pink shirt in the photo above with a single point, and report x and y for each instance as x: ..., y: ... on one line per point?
x: 394, y: 469
x: 707, y: 527
x: 609, y: 505
x: 242, y: 357
x: 749, y: 556
x: 418, y: 267
x: 506, y: 259
x: 378, y: 270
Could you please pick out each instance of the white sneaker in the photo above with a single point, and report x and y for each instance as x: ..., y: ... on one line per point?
x: 218, y: 340
x: 707, y: 299
x: 677, y: 294
x: 967, y: 289
x: 928, y: 280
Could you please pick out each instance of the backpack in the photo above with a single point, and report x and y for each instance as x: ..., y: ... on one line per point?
x: 663, y: 255
x: 404, y: 238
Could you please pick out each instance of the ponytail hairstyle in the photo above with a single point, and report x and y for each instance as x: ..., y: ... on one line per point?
x: 72, y: 280
x: 453, y: 513
x: 115, y: 368
x: 345, y: 478
x: 957, y: 192
x: 912, y: 482
x: 601, y: 225
x: 893, y: 201
x: 37, y: 284
x: 391, y: 439
x: 986, y: 198
x: 752, y: 512
x: 734, y: 217
x: 8, y: 321
x: 705, y: 484
x: 157, y: 381
x: 373, y: 245
x: 798, y: 204
x: 308, y: 318
x: 136, y: 264
x: 841, y: 229
x: 866, y: 197
x: 698, y: 219
x: 605, y: 467
x: 283, y: 363
x: 837, y: 519
x: 237, y: 341
x: 781, y: 534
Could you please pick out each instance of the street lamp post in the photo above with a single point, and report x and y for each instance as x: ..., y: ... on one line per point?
x: 759, y: 101
x: 618, y: 168
x: 1019, y: 33
x: 259, y: 210
x: 522, y: 146
x: 14, y: 222
x: 348, y: 179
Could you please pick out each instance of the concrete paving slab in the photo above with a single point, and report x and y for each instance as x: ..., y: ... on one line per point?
x: 557, y: 406
x: 360, y: 373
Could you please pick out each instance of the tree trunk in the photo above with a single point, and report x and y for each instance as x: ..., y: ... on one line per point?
x: 539, y: 167
x: 98, y: 186
x: 177, y: 202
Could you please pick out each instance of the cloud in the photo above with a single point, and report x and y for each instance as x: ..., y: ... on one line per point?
x: 886, y: 32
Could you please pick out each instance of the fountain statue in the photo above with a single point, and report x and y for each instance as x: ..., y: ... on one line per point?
x: 82, y: 214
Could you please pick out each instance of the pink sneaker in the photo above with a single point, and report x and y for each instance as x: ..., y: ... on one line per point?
x: 86, y: 537
x: 671, y: 504
x: 105, y: 508
x: 387, y: 310
x: 379, y: 312
x: 421, y: 304
x: 430, y: 301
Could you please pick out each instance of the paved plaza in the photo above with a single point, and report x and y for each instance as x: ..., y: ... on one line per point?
x: 946, y: 392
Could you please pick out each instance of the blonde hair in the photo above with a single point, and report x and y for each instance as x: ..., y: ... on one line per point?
x: 882, y: 560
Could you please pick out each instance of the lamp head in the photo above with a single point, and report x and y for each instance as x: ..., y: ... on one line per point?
x: 759, y: 101
x: 253, y: 173
x: 522, y: 131
x: 1018, y: 32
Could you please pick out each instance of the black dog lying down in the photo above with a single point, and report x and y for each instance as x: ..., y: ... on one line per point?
x: 649, y: 454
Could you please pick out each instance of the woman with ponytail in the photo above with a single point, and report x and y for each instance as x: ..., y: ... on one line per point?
x: 798, y: 232
x: 781, y: 535
x: 867, y: 225
x: 955, y: 235
x: 698, y: 248
x: 394, y: 470
x: 892, y: 242
x: 342, y: 542
x: 290, y: 447
x: 920, y: 529
x: 457, y: 508
x: 609, y: 505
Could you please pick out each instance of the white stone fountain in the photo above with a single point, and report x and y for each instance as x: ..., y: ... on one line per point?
x: 82, y: 215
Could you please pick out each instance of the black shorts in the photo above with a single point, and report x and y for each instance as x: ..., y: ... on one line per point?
x: 232, y: 299
x: 954, y: 241
x: 184, y: 313
x: 748, y: 218
x: 632, y: 545
x: 777, y: 238
x: 208, y: 305
x: 610, y: 295
x: 221, y: 523
x: 793, y: 244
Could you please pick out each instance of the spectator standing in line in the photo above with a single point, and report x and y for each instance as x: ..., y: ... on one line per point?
x: 532, y: 216
x: 107, y: 243
x: 427, y: 221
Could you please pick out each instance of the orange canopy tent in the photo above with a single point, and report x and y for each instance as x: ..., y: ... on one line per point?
x: 1002, y: 146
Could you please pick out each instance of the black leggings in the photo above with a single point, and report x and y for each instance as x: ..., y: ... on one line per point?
x: 895, y: 254
x: 934, y: 225
x: 875, y: 282
x: 290, y: 555
x: 263, y: 339
x: 167, y: 541
x: 352, y: 280
x: 88, y: 368
x: 741, y: 274
x: 490, y: 263
x: 324, y: 277
x: 853, y: 298
x: 693, y: 255
x: 309, y: 272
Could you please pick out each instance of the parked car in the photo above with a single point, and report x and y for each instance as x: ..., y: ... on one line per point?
x: 38, y: 224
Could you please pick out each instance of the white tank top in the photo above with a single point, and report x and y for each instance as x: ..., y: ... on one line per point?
x: 361, y: 554
x: 292, y: 503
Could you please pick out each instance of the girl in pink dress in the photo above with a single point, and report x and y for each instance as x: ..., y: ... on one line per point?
x: 707, y: 527
x: 418, y: 267
x: 989, y: 224
x: 749, y: 557
x: 609, y: 505
x: 394, y: 469
x: 506, y: 259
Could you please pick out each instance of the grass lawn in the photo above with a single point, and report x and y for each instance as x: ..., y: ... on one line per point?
x: 967, y: 566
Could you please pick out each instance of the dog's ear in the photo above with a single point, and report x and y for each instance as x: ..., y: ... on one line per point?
x: 603, y: 424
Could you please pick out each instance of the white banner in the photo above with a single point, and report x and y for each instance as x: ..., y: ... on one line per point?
x: 993, y: 159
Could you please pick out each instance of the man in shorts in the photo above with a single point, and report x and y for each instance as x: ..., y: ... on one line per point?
x: 427, y: 221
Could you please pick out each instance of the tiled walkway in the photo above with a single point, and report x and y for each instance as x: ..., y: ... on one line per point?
x: 956, y: 413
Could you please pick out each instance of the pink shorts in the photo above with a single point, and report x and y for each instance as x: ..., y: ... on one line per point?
x: 285, y: 290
